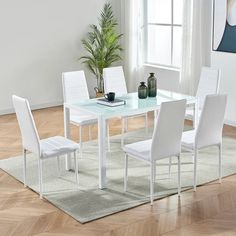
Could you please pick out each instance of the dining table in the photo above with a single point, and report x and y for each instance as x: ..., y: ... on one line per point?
x: 133, y: 106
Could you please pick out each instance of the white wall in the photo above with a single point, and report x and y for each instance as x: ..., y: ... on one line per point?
x: 227, y: 63
x: 39, y: 40
x: 166, y: 78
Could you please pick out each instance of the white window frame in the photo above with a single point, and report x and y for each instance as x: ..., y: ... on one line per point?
x: 172, y: 25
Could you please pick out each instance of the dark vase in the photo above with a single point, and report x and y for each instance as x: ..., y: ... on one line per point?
x: 142, y: 91
x: 152, y: 85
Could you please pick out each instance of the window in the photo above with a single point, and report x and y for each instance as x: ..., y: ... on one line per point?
x: 163, y: 32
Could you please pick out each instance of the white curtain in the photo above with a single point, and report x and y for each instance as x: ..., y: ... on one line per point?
x: 133, y: 33
x: 196, y: 43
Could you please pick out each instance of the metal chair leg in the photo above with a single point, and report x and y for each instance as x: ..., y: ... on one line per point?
x: 195, y: 170
x: 146, y: 124
x: 179, y: 177
x: 151, y: 184
x: 58, y: 166
x: 40, y: 177
x: 126, y: 173
x: 80, y: 141
x: 220, y: 163
x: 24, y: 167
x: 122, y: 132
x: 90, y: 133
x: 76, y: 169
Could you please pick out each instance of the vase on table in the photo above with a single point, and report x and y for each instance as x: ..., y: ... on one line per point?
x: 142, y: 91
x: 152, y: 85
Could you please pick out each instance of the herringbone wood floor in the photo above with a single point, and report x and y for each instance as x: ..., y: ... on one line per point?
x: 209, y: 211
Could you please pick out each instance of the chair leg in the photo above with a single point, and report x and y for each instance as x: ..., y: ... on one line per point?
x: 76, y: 168
x: 122, y: 132
x: 90, y: 133
x: 126, y: 172
x: 58, y: 166
x: 108, y: 138
x: 126, y: 125
x: 151, y: 184
x: 146, y: 124
x: 40, y: 177
x: 220, y: 163
x: 155, y: 116
x: 154, y: 171
x: 194, y: 121
x: 24, y: 167
x: 179, y: 178
x: 195, y: 170
x: 80, y: 141
x: 170, y: 163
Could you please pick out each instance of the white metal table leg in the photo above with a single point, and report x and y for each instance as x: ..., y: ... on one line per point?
x: 102, y: 151
x: 67, y: 134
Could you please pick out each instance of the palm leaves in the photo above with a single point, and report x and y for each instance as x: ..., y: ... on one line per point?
x: 102, y: 44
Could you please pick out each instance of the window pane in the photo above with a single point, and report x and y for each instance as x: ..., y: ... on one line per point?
x: 159, y: 44
x: 159, y: 11
x: 177, y: 46
x: 178, y: 11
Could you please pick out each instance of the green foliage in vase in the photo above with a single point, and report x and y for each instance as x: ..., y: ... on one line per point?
x: 102, y: 45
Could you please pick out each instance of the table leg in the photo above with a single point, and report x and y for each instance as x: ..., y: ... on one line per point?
x: 102, y: 151
x: 67, y: 134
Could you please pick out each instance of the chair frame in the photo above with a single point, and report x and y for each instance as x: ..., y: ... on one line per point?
x: 152, y: 162
x: 124, y: 119
x: 40, y: 158
x: 195, y: 150
x: 78, y: 124
x: 217, y: 86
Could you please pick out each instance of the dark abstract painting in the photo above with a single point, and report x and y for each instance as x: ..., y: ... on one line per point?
x: 224, y: 26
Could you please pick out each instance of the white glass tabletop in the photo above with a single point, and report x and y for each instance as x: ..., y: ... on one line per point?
x: 133, y: 105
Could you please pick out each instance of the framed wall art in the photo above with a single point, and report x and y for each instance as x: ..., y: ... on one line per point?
x: 224, y: 26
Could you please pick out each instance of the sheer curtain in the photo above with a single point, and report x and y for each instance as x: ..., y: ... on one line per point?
x: 196, y: 43
x: 133, y: 11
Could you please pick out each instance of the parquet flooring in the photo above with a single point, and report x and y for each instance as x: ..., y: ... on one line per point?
x: 209, y: 211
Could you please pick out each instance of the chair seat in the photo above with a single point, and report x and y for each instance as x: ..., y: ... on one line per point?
x: 139, y: 150
x: 188, y: 139
x: 56, y: 146
x: 82, y: 118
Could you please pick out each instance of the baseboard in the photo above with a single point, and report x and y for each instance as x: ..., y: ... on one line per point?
x: 33, y: 107
x: 230, y: 122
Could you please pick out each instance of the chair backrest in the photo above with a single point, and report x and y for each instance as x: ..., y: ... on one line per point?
x: 30, y: 137
x: 208, y: 84
x: 74, y: 86
x: 114, y: 80
x: 166, y: 140
x: 209, y: 130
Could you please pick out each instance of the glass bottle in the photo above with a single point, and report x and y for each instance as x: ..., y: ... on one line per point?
x: 142, y: 91
x: 152, y: 85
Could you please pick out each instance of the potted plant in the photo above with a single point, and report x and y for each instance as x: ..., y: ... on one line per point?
x: 102, y: 46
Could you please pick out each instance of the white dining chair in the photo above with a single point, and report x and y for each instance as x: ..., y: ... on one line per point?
x: 209, y: 130
x: 114, y: 81
x: 165, y: 142
x: 45, y: 148
x: 209, y: 83
x: 75, y: 89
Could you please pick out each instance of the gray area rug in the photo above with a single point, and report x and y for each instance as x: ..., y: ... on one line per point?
x: 88, y: 203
